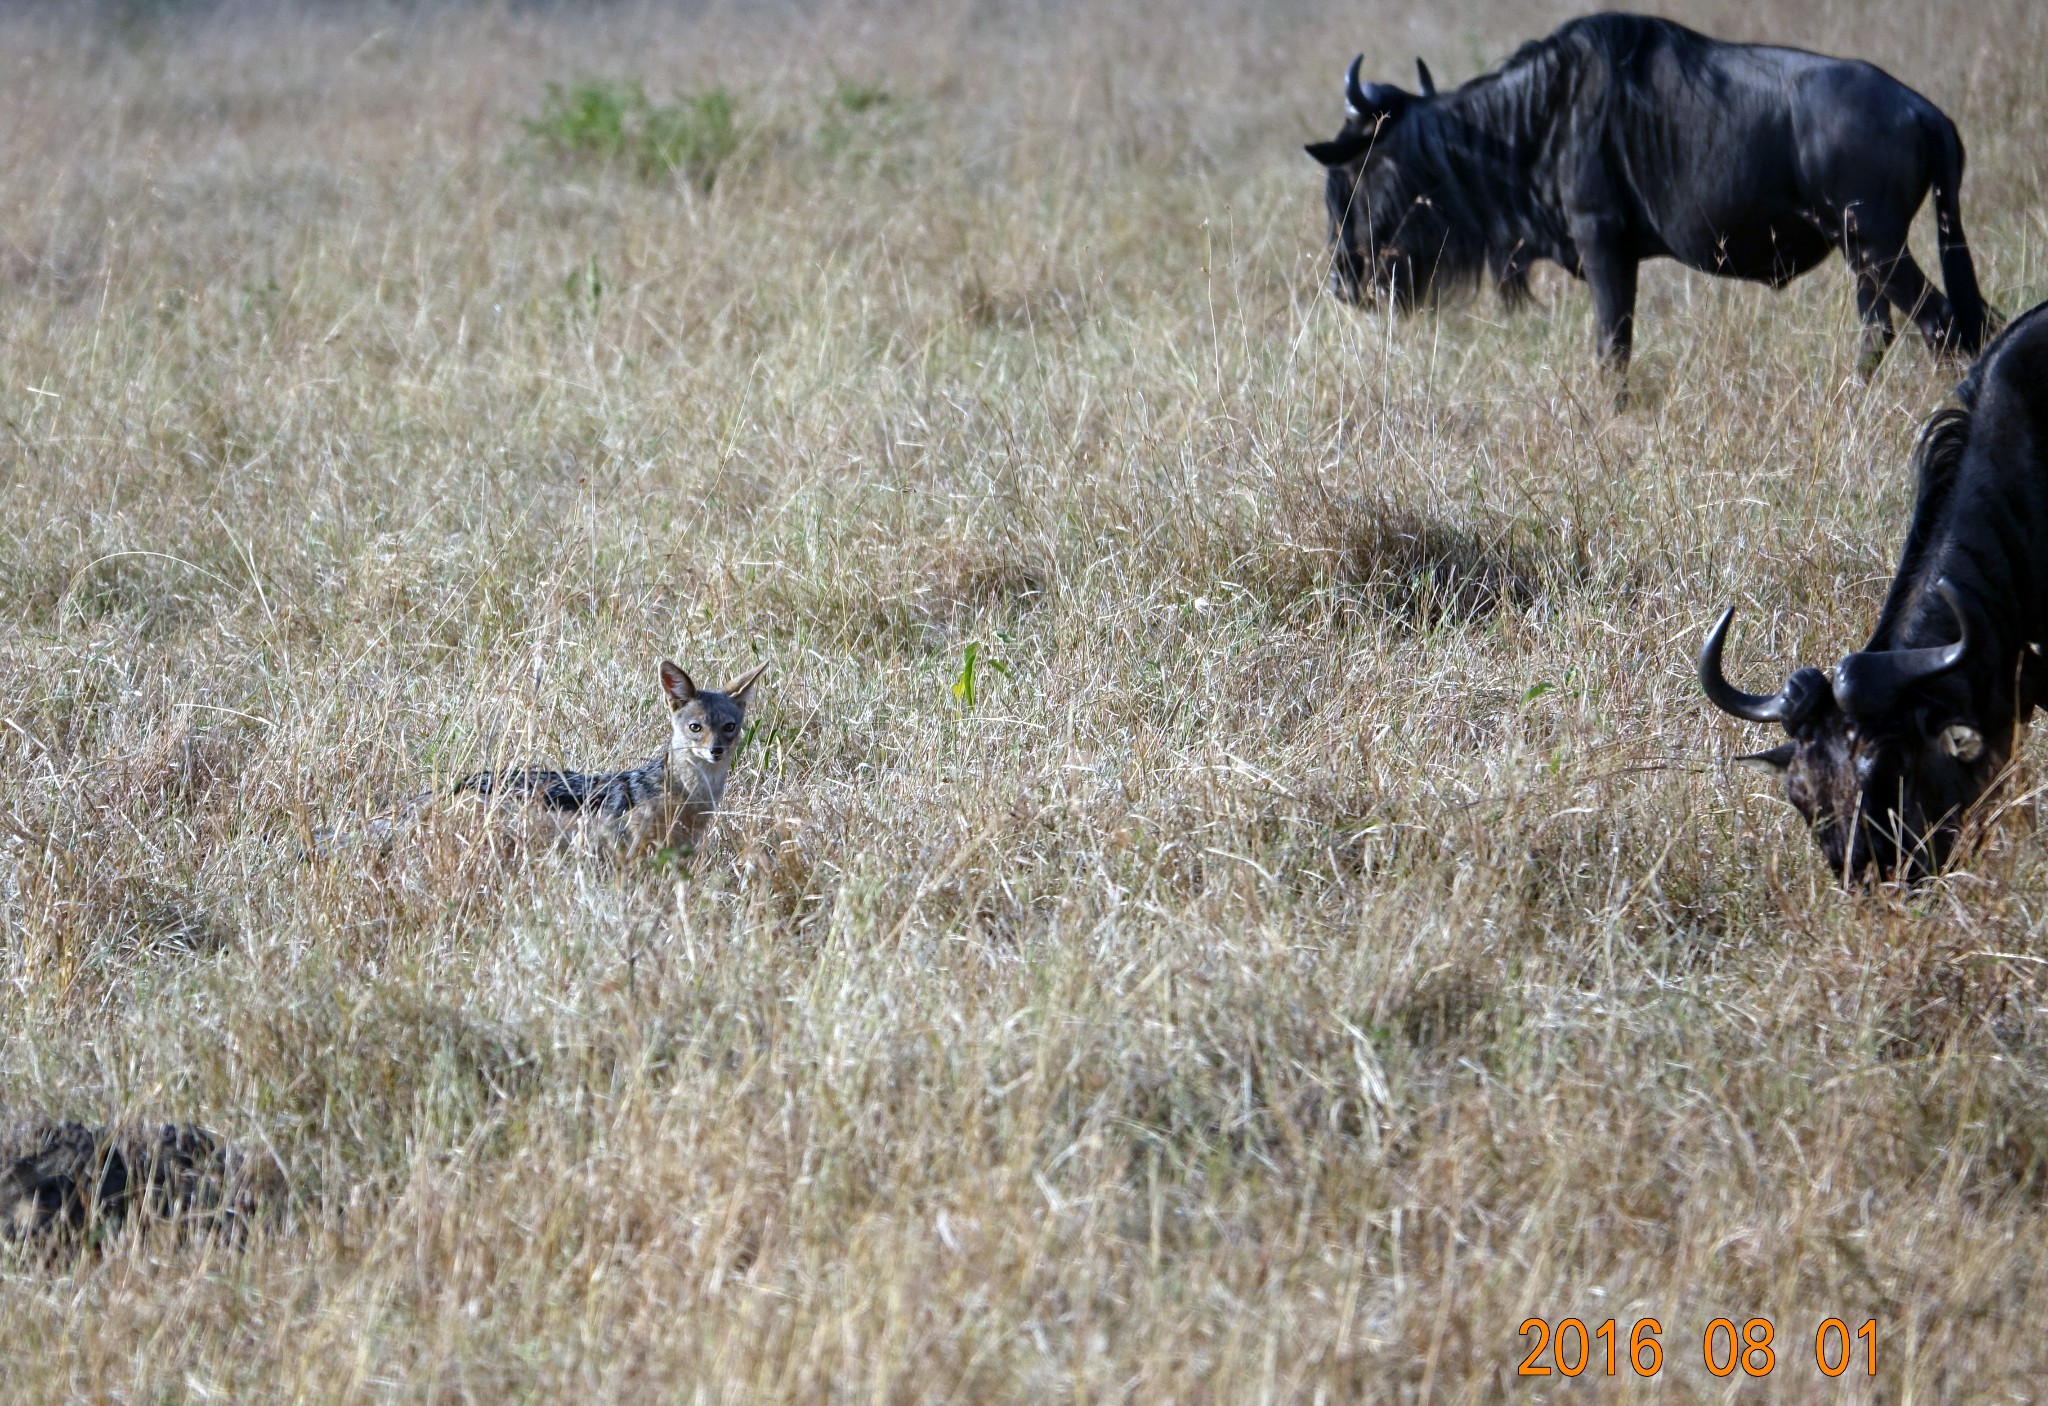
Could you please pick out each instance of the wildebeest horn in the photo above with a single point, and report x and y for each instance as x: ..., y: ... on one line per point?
x: 1354, y: 94
x: 1422, y: 76
x: 1788, y: 705
x: 1869, y: 682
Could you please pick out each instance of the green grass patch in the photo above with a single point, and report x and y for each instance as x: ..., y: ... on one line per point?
x: 614, y: 122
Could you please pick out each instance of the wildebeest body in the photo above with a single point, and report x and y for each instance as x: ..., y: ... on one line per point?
x: 1621, y: 138
x: 1889, y: 750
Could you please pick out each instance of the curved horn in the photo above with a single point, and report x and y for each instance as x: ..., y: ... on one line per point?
x: 1869, y: 682
x: 1354, y: 94
x: 1788, y: 705
x: 1422, y: 75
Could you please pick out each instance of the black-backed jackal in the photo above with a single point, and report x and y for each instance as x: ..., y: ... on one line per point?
x: 666, y: 803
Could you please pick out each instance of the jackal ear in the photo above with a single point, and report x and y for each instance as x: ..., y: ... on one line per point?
x: 676, y: 684
x: 738, y: 691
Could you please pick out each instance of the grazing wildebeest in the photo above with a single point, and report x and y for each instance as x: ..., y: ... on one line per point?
x: 1622, y: 138
x: 1890, y: 749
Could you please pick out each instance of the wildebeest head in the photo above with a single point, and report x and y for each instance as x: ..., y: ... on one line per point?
x: 1884, y: 756
x: 1383, y: 240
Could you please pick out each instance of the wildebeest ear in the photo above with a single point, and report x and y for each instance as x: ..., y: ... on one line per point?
x: 676, y: 684
x: 1341, y: 150
x: 1774, y: 761
x: 1422, y: 75
x: 1962, y: 742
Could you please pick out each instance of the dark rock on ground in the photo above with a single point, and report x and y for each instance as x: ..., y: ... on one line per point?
x: 62, y: 1182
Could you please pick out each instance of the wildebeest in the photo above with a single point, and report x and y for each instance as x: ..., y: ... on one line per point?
x: 1890, y: 749
x: 1622, y: 138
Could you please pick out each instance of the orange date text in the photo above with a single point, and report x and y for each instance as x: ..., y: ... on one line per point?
x: 1570, y: 1347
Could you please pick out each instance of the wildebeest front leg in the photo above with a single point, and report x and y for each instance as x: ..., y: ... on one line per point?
x: 1612, y: 275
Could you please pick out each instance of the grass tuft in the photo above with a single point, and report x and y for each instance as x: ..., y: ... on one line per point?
x: 613, y: 121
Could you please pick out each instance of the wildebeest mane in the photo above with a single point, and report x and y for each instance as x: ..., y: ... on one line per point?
x: 1939, y: 457
x: 1627, y: 43
x: 1467, y: 155
x: 1470, y: 153
x: 1939, y: 460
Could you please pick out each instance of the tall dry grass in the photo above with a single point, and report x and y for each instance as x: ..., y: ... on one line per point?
x: 1333, y: 936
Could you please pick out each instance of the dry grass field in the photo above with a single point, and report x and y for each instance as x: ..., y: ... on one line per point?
x: 1322, y: 928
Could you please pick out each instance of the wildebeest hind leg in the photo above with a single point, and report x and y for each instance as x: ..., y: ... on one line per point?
x: 1920, y: 300
x: 1891, y: 268
x: 1876, y: 314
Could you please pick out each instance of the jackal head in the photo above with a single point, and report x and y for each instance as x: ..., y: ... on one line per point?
x: 705, y: 723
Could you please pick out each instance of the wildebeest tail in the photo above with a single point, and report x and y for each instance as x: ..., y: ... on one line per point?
x: 1958, y: 273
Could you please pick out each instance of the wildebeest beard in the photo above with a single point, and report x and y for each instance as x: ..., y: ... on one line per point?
x: 1421, y: 218
x: 1439, y: 199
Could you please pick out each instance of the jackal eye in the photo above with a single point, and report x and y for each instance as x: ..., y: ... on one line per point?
x: 696, y: 727
x: 731, y: 728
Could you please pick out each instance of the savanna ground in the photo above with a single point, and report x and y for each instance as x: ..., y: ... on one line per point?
x: 1324, y: 931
